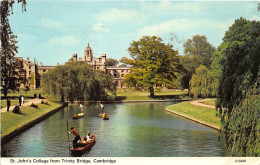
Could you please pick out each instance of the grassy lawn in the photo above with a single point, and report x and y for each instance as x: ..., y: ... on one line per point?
x: 203, y: 114
x: 13, y: 102
x: 129, y: 94
x: 11, y: 121
x: 209, y: 102
x: 22, y: 92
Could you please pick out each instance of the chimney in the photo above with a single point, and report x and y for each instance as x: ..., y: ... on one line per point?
x: 58, y: 64
x: 40, y: 63
x: 28, y: 59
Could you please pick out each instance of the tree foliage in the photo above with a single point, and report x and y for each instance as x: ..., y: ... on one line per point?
x: 239, y: 88
x: 111, y: 62
x: 200, y: 50
x: 202, y: 83
x: 8, y: 47
x: 153, y: 63
x: 77, y: 81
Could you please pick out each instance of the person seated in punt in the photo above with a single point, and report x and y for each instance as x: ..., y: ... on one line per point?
x: 44, y: 102
x: 17, y: 109
x: 86, y: 139
x: 104, y: 115
x: 34, y: 106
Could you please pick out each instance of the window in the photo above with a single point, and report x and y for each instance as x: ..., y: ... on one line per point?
x: 29, y: 73
x: 44, y: 70
x: 98, y: 68
x: 122, y: 75
x: 29, y: 67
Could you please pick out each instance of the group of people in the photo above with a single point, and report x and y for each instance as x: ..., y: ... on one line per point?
x: 77, y: 140
x: 85, y: 140
x: 21, y: 101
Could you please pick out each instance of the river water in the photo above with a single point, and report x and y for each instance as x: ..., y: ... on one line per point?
x: 134, y: 130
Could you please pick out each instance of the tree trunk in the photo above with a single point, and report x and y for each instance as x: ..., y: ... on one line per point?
x: 151, y: 90
x: 62, y: 97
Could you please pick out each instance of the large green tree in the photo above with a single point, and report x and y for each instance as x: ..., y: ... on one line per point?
x: 239, y: 88
x: 200, y: 50
x: 197, y: 51
x: 8, y: 47
x: 77, y: 81
x: 153, y: 63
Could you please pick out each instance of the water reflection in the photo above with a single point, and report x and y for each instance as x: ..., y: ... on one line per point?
x: 134, y: 130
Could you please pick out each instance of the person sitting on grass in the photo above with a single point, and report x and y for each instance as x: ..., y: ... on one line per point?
x: 34, y: 106
x: 17, y: 110
x: 44, y: 102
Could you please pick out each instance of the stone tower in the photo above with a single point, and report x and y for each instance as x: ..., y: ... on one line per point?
x: 88, y: 55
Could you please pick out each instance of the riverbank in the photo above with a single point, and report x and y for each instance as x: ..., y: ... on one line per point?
x: 12, y: 124
x: 203, y: 115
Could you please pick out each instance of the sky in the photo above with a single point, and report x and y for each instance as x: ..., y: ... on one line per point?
x: 51, y: 31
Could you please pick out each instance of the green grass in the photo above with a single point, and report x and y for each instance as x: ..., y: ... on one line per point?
x: 129, y: 94
x: 13, y: 102
x: 22, y: 92
x: 209, y: 102
x: 204, y: 114
x: 11, y: 121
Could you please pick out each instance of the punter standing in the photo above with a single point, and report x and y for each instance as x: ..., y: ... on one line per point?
x: 102, y: 108
x: 77, y: 137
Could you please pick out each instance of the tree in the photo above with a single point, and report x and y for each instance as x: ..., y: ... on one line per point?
x: 153, y: 63
x: 8, y: 46
x: 202, y: 83
x: 26, y: 89
x: 200, y: 50
x: 111, y: 62
x: 239, y: 88
x: 77, y: 81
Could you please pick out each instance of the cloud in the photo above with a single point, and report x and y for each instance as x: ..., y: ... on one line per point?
x: 50, y: 24
x: 64, y: 41
x: 120, y: 15
x: 100, y: 27
x: 170, y: 7
x: 184, y: 25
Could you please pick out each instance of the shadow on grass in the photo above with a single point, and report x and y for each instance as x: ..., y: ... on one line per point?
x: 120, y: 98
x: 23, y: 114
x: 164, y: 97
x: 158, y: 97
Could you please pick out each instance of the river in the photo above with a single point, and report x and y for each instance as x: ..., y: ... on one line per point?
x: 134, y: 130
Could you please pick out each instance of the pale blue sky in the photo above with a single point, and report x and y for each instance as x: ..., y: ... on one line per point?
x: 51, y: 31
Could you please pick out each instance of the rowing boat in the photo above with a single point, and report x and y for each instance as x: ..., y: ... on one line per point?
x: 82, y: 148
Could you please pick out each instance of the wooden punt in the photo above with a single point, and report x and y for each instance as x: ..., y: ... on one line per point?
x: 82, y: 148
x: 104, y: 118
x: 77, y: 116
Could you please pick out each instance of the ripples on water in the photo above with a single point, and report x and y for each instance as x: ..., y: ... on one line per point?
x: 134, y: 130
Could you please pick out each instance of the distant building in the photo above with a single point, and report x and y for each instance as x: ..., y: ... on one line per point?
x: 117, y: 72
x: 32, y: 72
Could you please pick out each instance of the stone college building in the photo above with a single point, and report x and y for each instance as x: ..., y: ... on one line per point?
x: 32, y: 72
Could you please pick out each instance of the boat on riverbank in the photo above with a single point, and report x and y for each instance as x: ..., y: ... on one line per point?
x: 77, y: 116
x: 83, y: 147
